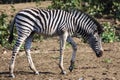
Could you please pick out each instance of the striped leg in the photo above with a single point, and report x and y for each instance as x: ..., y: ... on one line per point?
x: 62, y: 47
x: 15, y: 51
x: 74, y: 46
x: 27, y: 50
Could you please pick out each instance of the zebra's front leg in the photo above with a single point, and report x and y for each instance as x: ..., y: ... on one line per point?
x: 27, y: 50
x: 62, y: 47
x: 61, y: 62
x: 74, y: 46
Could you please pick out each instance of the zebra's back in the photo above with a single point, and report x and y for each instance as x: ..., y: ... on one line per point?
x: 48, y: 22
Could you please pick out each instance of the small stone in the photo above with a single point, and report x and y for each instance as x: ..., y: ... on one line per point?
x: 81, y: 78
x: 104, y: 73
x: 4, y: 52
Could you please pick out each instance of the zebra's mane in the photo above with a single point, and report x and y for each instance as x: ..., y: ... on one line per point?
x: 99, y: 26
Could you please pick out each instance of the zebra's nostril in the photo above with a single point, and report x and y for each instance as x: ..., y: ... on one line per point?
x: 99, y: 54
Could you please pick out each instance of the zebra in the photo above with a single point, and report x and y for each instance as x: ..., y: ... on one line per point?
x: 54, y: 23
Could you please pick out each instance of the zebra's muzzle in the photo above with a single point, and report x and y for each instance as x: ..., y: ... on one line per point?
x: 99, y: 54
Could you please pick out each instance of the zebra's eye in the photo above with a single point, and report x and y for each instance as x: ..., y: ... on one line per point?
x: 96, y: 41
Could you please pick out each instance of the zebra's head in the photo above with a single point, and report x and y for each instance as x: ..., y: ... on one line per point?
x: 94, y: 41
x: 89, y: 29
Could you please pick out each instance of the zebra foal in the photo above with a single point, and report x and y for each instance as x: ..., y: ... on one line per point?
x: 58, y: 23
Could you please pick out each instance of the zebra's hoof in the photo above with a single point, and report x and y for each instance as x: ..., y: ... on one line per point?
x: 12, y: 75
x: 63, y: 72
x: 37, y: 73
x: 71, y: 68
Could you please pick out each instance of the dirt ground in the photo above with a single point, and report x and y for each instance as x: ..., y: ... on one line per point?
x: 45, y: 55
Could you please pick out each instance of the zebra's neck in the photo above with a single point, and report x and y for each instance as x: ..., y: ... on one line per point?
x: 85, y: 25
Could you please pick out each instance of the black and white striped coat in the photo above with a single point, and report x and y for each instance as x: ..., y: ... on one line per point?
x: 54, y: 22
x: 47, y: 22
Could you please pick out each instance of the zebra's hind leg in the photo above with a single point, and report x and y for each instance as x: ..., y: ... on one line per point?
x: 74, y: 46
x: 27, y: 50
x: 32, y: 67
x: 12, y: 64
x: 62, y: 47
x: 14, y: 53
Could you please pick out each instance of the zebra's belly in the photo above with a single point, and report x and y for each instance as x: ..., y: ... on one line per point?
x: 47, y: 33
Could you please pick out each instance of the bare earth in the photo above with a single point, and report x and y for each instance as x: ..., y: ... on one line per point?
x: 45, y: 55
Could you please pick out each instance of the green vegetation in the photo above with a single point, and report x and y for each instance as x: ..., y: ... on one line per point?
x: 110, y: 33
x: 65, y: 5
x: 93, y: 7
x: 4, y: 31
x: 3, y: 28
x: 107, y: 60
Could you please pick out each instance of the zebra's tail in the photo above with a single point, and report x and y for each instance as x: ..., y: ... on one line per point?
x: 11, y: 37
